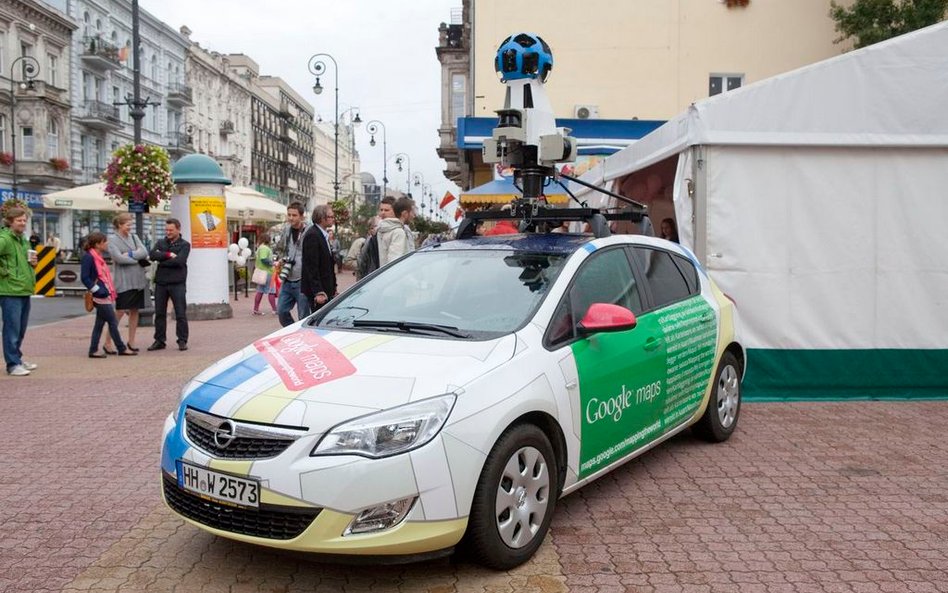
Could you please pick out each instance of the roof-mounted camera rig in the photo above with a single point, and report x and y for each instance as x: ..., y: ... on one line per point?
x: 527, y: 140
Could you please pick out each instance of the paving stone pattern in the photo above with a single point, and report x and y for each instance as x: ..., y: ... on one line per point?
x: 834, y: 497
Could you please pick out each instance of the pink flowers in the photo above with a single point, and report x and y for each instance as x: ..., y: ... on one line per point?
x: 139, y: 173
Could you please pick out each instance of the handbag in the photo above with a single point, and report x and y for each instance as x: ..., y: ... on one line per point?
x: 259, y: 277
x: 87, y: 301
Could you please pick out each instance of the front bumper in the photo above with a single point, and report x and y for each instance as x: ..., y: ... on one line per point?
x: 322, y: 529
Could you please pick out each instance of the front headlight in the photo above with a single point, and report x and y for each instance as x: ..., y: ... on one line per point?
x: 388, y: 432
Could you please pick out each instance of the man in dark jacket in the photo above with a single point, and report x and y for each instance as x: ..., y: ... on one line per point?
x: 318, y: 282
x: 171, y: 279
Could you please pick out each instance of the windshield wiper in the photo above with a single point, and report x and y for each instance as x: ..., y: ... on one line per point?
x: 411, y: 326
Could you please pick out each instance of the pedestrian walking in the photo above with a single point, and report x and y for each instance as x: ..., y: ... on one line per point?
x: 264, y: 262
x: 16, y: 287
x: 129, y: 258
x: 171, y: 277
x: 395, y: 237
x: 97, y: 279
x: 318, y: 282
x: 290, y: 261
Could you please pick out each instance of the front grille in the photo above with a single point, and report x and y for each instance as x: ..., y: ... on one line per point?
x: 270, y: 521
x: 239, y: 448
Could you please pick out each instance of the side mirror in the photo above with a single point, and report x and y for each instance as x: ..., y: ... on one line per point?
x: 602, y: 317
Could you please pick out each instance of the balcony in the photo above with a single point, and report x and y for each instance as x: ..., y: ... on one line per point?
x: 99, y: 116
x: 40, y: 172
x: 100, y: 54
x: 179, y: 95
x: 227, y: 127
x: 180, y: 144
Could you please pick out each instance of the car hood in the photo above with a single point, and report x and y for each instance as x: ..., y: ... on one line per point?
x: 309, y: 377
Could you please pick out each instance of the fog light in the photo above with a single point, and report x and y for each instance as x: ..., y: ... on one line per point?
x: 381, y: 517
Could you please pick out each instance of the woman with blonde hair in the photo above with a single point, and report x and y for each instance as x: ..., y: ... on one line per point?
x: 128, y: 252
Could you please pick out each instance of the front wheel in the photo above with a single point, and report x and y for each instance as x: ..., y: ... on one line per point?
x: 720, y: 418
x: 514, y: 500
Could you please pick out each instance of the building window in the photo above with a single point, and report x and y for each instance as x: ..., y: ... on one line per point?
x: 3, y: 133
x: 154, y: 68
x: 26, y: 136
x: 52, y: 140
x: 723, y: 83
x: 53, y: 69
x: 458, y: 97
x: 3, y: 45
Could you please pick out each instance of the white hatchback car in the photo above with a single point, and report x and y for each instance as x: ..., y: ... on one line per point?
x: 453, y: 396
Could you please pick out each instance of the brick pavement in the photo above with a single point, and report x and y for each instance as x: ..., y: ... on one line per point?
x: 805, y: 497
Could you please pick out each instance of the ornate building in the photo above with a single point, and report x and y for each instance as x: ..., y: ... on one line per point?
x: 102, y: 79
x: 34, y: 35
x: 219, y: 122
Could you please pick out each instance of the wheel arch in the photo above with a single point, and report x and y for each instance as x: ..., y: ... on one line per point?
x: 551, y: 428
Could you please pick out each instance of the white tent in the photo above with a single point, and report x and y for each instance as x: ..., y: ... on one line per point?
x: 817, y: 200
x: 243, y: 203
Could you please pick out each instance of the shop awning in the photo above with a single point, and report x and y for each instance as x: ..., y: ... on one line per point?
x: 248, y: 204
x: 243, y: 203
x: 502, y: 191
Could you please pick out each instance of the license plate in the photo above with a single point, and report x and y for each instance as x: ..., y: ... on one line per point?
x: 217, y: 486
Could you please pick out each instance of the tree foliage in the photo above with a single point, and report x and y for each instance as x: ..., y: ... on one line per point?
x: 872, y: 21
x: 426, y: 226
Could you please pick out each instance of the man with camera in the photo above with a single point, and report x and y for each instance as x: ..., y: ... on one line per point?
x: 290, y: 263
x: 319, y: 274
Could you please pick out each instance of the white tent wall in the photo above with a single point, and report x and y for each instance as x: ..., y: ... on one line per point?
x: 826, y: 249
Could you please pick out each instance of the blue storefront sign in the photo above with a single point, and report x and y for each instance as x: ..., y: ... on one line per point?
x: 33, y: 199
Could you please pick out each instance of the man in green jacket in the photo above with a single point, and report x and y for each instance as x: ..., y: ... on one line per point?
x: 16, y: 288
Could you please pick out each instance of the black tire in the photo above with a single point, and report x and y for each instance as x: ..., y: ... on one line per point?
x: 486, y: 541
x: 724, y: 408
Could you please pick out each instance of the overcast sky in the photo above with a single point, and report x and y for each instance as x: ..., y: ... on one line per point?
x: 386, y: 55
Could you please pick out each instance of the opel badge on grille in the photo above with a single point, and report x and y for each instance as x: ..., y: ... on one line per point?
x: 225, y: 434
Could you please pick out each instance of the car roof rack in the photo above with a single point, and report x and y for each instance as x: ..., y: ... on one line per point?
x: 538, y: 216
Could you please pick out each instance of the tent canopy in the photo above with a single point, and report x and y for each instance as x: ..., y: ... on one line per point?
x: 242, y: 202
x: 502, y: 191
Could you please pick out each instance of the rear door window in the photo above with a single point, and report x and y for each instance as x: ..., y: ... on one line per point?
x: 665, y: 281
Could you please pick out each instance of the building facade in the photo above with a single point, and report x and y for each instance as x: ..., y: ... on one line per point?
x: 635, y: 60
x: 102, y: 81
x: 34, y: 135
x: 218, y: 124
x: 282, y: 140
x: 350, y: 185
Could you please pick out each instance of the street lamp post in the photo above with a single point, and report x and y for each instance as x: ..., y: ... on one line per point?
x: 373, y: 127
x: 31, y: 70
x: 401, y: 158
x: 419, y: 181
x: 317, y: 68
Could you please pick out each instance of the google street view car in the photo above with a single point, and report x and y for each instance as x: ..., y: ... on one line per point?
x: 453, y: 396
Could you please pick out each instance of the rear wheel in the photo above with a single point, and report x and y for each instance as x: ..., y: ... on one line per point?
x: 514, y: 500
x: 720, y: 418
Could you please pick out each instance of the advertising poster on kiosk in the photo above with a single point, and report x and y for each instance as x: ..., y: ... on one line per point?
x: 208, y: 222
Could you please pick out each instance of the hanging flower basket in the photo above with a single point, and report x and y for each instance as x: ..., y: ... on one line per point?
x: 59, y: 164
x: 6, y: 158
x: 139, y: 174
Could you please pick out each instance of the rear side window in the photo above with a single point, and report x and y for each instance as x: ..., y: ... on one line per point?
x: 665, y: 280
x: 690, y: 273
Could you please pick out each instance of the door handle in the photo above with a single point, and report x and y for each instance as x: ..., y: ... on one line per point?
x: 706, y: 317
x: 652, y: 343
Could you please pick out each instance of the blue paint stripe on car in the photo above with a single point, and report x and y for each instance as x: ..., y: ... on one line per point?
x: 207, y: 394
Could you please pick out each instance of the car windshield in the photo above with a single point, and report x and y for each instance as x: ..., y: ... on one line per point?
x: 475, y: 294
